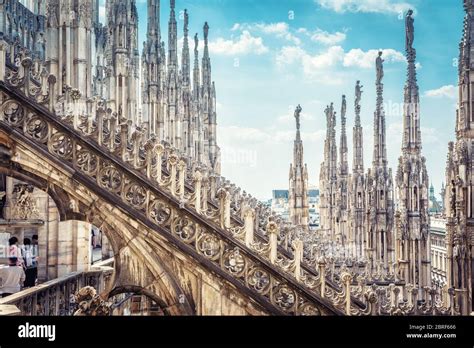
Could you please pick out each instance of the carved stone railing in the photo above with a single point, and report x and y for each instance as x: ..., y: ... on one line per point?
x: 55, y: 297
x: 114, y: 165
x: 202, y: 214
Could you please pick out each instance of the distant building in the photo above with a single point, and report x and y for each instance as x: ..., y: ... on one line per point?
x: 435, y: 206
x: 438, y: 251
x: 280, y: 205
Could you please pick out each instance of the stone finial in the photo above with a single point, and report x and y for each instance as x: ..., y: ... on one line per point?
x: 273, y: 231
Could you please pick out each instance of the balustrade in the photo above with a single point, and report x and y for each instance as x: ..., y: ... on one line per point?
x: 55, y: 297
x: 167, y: 189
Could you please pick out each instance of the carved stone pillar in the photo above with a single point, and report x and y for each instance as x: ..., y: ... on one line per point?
x: 48, y: 243
x: 249, y: 220
x: 74, y: 246
x: 197, y: 191
x: 273, y: 231
x: 298, y: 245
x: 322, y: 275
x: 106, y: 248
x: 3, y: 57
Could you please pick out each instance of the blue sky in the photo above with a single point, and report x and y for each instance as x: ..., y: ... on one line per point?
x: 270, y: 55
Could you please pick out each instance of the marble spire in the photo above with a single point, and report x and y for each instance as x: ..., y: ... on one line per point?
x: 298, y: 191
x: 412, y: 217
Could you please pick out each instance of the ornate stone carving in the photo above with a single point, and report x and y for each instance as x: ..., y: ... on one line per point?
x: 91, y: 304
x: 25, y: 207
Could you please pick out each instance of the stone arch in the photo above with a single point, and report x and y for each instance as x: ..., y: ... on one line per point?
x: 136, y: 262
x: 131, y: 253
x: 57, y: 194
x: 138, y: 290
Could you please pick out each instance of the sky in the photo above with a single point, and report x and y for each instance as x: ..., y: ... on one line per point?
x: 270, y: 55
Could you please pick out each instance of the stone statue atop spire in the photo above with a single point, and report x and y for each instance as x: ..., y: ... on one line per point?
x: 412, y: 217
x: 410, y: 31
x: 342, y: 231
x: 357, y: 185
x: 298, y: 200
x: 328, y: 176
x: 379, y: 187
x: 343, y: 109
x: 186, y: 20
x: 358, y: 94
x: 297, y: 116
x: 379, y: 65
x: 206, y: 31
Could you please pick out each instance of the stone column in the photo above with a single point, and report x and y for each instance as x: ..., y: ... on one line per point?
x: 48, y: 243
x: 9, y: 196
x: 2, y: 17
x: 74, y: 246
x: 68, y: 53
x: 81, y: 61
x: 3, y: 54
x: 106, y: 247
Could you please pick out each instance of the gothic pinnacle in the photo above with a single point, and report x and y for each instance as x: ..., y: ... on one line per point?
x: 379, y: 117
x: 358, y: 163
x: 343, y: 145
x: 411, y: 134
x: 154, y: 19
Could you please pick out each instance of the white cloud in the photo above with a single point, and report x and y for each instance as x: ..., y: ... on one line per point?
x: 326, y: 66
x: 279, y: 30
x: 235, y: 27
x: 367, y: 6
x: 245, y: 44
x: 274, y: 28
x: 329, y: 58
x: 327, y: 38
x: 334, y: 55
x: 448, y: 91
x: 289, y: 118
x: 247, y: 135
x: 358, y: 58
x: 289, y: 55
